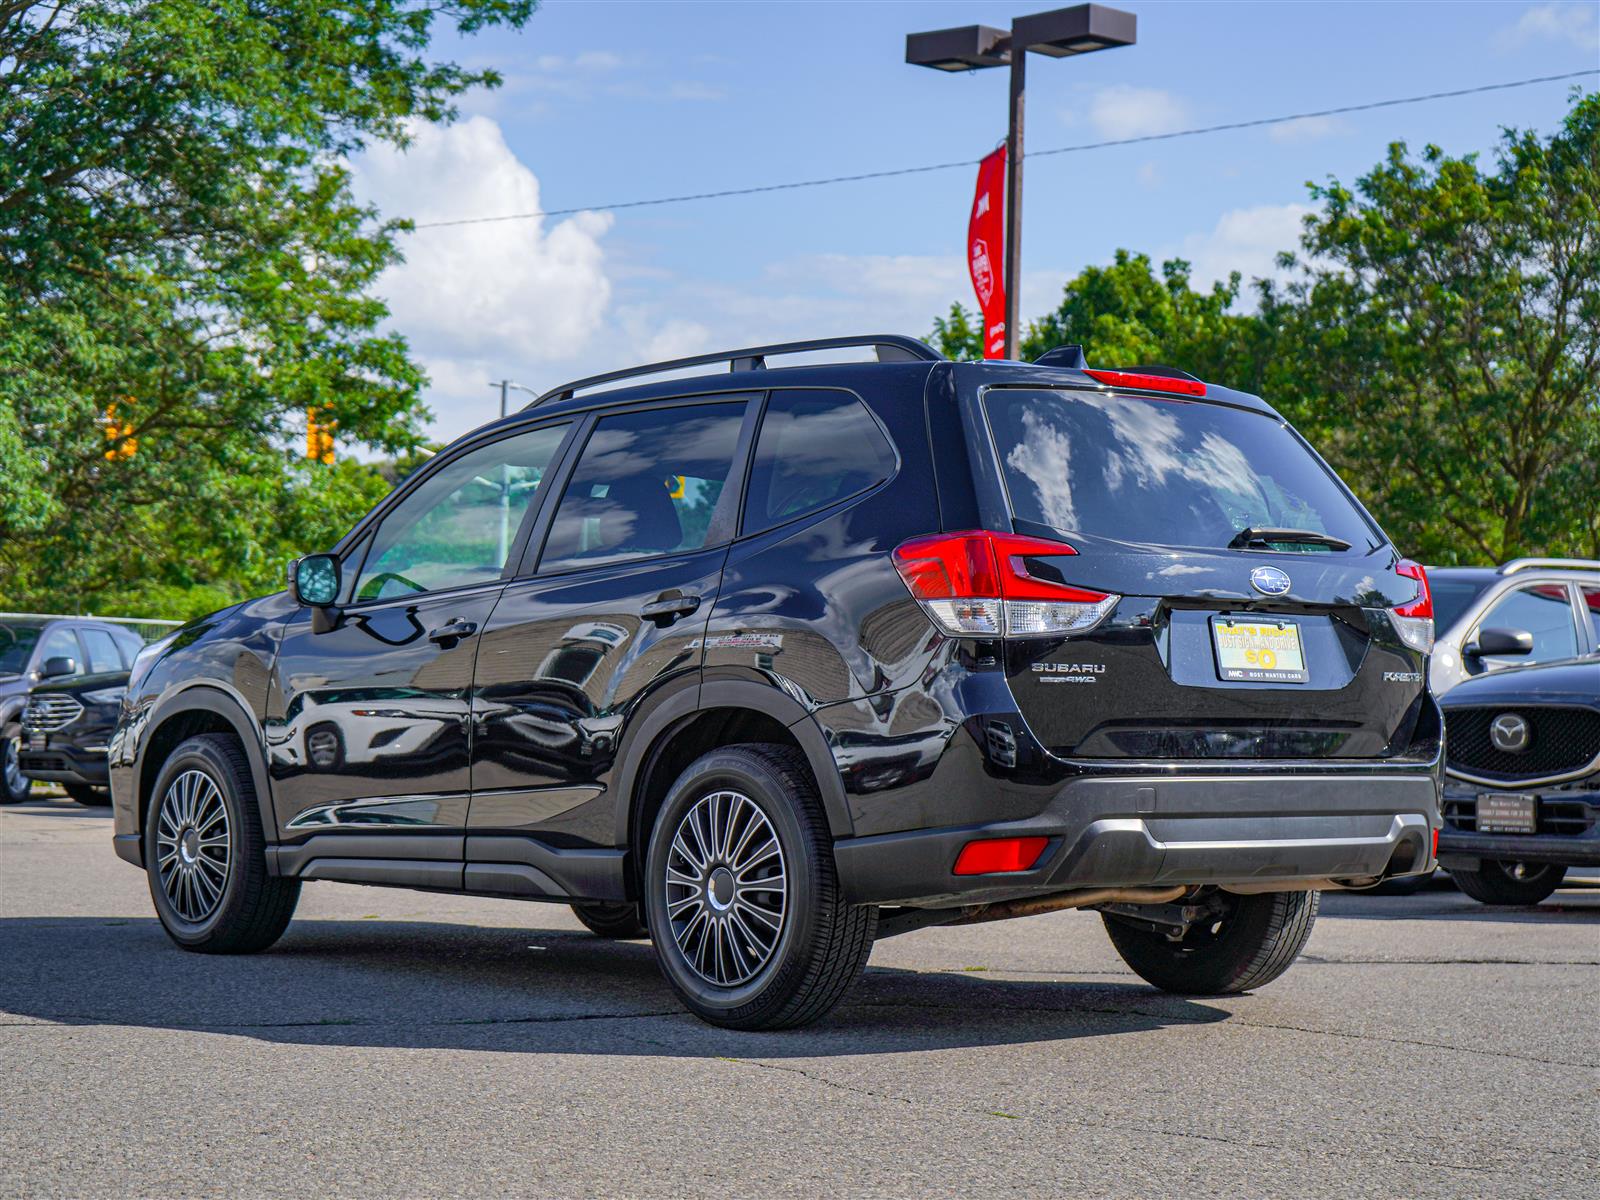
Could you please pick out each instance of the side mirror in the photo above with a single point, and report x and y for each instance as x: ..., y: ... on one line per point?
x: 58, y: 666
x: 314, y: 581
x: 1498, y: 643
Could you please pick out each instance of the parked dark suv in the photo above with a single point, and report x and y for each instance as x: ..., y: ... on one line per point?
x: 773, y: 661
x: 66, y: 729
x: 1522, y: 796
x: 35, y: 648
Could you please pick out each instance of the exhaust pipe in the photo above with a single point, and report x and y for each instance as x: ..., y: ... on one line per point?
x: 1084, y: 898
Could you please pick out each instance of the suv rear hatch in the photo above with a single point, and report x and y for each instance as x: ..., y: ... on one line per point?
x: 1253, y: 609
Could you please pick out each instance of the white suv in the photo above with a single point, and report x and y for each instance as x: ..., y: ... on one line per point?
x: 1528, y: 610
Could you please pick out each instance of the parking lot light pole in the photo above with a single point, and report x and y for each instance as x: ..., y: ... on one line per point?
x: 505, y: 386
x: 1060, y: 33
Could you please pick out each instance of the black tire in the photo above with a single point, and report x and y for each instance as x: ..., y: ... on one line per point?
x: 620, y: 922
x: 820, y: 944
x: 1255, y: 940
x: 14, y: 786
x: 89, y: 797
x: 1505, y: 882
x: 253, y: 908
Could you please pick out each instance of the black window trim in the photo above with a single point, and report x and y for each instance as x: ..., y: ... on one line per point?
x: 360, y: 540
x: 750, y: 462
x: 722, y: 529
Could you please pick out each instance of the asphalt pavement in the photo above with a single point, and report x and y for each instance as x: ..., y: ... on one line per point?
x: 398, y: 1043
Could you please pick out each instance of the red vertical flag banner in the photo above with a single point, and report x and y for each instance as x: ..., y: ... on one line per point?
x: 986, y: 240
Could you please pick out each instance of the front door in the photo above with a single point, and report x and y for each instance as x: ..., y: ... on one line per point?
x: 368, y: 724
x: 618, y: 606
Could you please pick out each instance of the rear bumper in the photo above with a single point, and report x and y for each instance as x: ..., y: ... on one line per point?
x: 1132, y: 831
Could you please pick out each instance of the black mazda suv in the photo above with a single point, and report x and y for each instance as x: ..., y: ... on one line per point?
x: 766, y: 661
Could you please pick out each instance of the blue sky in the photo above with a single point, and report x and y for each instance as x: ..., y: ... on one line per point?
x: 611, y: 101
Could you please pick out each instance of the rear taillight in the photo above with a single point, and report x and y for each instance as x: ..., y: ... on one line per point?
x: 1148, y: 383
x: 981, y: 584
x: 1414, y: 621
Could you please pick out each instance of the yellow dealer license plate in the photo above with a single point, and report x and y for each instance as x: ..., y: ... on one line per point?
x: 1259, y: 651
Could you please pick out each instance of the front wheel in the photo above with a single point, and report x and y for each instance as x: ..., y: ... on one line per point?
x: 621, y: 922
x: 89, y: 797
x: 743, y: 895
x: 205, y: 853
x: 1502, y: 882
x: 14, y: 785
x: 1245, y: 942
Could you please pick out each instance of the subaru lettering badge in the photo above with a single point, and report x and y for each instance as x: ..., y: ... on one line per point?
x: 1269, y: 581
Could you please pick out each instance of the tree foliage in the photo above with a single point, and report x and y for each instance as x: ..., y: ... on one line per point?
x: 1438, y: 339
x: 184, y: 273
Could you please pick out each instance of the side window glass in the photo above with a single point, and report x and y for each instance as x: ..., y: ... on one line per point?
x: 648, y: 483
x: 61, y: 643
x: 102, y: 651
x: 1591, y: 603
x: 457, y: 528
x: 1543, y: 610
x: 815, y: 447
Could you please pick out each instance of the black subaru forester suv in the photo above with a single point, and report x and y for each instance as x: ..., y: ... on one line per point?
x: 767, y: 662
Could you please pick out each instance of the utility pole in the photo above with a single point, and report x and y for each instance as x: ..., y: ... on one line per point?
x: 505, y: 386
x: 1061, y: 33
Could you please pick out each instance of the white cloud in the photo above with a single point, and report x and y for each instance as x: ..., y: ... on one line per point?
x: 1574, y: 23
x: 1125, y: 111
x: 1246, y: 240
x: 1308, y: 129
x: 480, y: 301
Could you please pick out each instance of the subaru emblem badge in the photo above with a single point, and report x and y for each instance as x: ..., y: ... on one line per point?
x: 1269, y: 581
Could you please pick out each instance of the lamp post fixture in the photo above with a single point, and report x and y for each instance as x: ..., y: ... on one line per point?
x: 1061, y: 33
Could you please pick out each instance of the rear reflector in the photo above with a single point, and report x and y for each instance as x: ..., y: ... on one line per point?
x: 1413, y: 621
x: 1148, y: 383
x: 984, y: 584
x: 995, y: 856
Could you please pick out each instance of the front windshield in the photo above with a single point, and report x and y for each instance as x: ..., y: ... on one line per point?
x: 1164, y: 472
x: 16, y: 645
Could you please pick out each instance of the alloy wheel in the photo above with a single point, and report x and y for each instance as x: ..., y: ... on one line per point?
x: 193, y: 848
x: 726, y: 889
x: 15, y: 781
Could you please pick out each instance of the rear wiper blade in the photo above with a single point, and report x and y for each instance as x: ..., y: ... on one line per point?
x: 1256, y: 535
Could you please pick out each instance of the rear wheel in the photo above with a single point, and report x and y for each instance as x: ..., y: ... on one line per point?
x: 89, y: 797
x: 204, y: 853
x: 14, y: 785
x: 1504, y: 882
x: 743, y: 895
x: 1249, y: 941
x: 622, y: 922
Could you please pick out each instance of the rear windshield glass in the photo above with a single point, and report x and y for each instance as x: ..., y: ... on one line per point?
x: 1161, y: 471
x: 1451, y: 597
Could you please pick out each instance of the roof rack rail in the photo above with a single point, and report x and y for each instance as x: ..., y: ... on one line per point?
x: 1558, y: 564
x: 890, y: 347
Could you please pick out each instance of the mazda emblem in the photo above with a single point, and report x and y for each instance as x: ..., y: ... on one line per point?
x: 1510, y: 733
x: 1269, y: 581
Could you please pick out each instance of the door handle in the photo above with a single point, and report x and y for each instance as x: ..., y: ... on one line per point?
x: 451, y: 632
x: 668, y: 609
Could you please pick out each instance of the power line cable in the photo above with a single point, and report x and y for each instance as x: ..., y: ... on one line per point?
x: 971, y: 162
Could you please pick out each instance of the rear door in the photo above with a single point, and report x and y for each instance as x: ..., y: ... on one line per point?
x: 1224, y: 643
x: 613, y: 606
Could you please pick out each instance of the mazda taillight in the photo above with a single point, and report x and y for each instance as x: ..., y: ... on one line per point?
x: 1414, y: 621
x: 981, y: 584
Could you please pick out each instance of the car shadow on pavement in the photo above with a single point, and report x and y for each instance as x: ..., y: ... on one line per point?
x: 1575, y: 905
x: 46, y: 806
x: 437, y: 986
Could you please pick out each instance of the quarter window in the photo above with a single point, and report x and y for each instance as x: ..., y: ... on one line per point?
x: 1591, y: 604
x: 1543, y: 610
x: 649, y: 483
x: 815, y: 447
x: 458, y: 526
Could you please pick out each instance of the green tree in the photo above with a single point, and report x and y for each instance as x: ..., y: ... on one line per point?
x: 184, y: 273
x: 1448, y: 334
